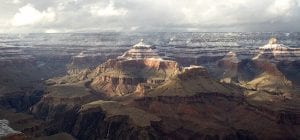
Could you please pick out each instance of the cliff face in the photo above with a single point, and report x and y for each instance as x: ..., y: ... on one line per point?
x: 290, y: 71
x: 190, y: 81
x: 218, y: 115
x: 84, y: 61
x: 278, y: 52
x: 124, y: 64
x: 270, y: 62
x: 229, y: 71
x: 270, y: 77
x: 22, y: 77
x: 206, y: 108
x: 21, y: 100
x: 111, y: 120
x: 259, y: 73
x: 62, y: 98
x: 120, y: 77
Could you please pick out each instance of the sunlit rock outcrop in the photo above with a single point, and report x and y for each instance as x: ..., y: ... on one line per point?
x: 139, y: 66
x: 7, y: 133
x: 278, y: 52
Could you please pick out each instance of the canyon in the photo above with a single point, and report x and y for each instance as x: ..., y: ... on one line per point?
x: 179, y: 87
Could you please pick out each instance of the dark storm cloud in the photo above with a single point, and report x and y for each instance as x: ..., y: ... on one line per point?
x: 148, y: 15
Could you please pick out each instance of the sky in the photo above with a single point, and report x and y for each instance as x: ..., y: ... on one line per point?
x: 59, y: 16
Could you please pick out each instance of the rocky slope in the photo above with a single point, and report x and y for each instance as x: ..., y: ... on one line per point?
x: 191, y: 81
x: 111, y: 120
x: 262, y: 72
x: 61, y: 98
x: 203, y: 107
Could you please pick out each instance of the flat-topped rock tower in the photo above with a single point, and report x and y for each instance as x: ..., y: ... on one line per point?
x: 141, y: 51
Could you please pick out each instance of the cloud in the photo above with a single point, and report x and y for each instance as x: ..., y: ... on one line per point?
x: 16, y: 1
x: 28, y: 15
x: 282, y: 7
x: 233, y: 12
x: 52, y: 31
x: 151, y: 15
x: 109, y: 10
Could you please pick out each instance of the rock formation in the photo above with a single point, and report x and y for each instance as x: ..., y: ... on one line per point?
x: 6, y: 131
x: 271, y: 78
x: 143, y: 95
x: 61, y: 98
x: 121, y: 77
x: 261, y: 72
x: 196, y: 103
x: 111, y: 120
x: 141, y: 51
x: 139, y: 67
x: 278, y: 52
